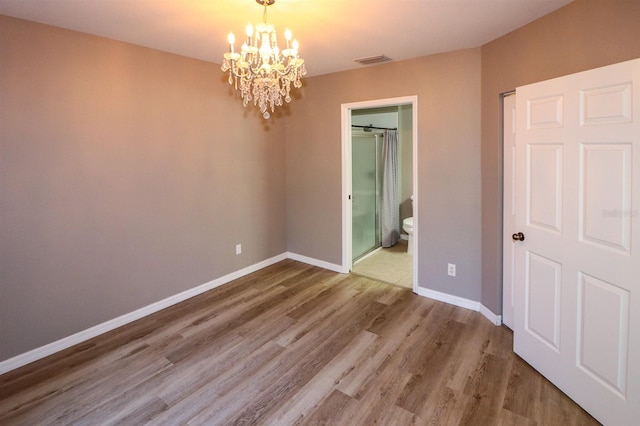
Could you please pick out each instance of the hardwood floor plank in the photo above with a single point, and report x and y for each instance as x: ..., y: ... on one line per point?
x: 487, y: 390
x: 292, y: 344
x: 394, y: 416
x: 392, y: 352
x: 385, y: 323
x: 334, y: 299
x: 331, y: 408
x: 523, y: 390
x: 322, y: 300
x: 140, y: 415
x: 96, y: 377
x: 205, y: 397
x: 475, y: 341
x: 554, y: 407
x: 379, y: 399
x: 253, y: 328
x: 210, y: 372
x: 299, y: 407
x: 77, y: 399
x: 352, y: 356
x: 272, y: 373
x: 389, y: 297
x: 445, y: 407
x: 73, y: 358
x: 207, y: 334
x: 426, y: 367
x: 294, y: 378
x: 509, y: 418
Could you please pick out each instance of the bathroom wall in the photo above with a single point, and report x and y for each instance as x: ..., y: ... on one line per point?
x: 127, y: 175
x: 381, y: 117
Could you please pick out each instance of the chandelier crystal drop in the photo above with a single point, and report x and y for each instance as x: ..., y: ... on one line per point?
x: 261, y: 71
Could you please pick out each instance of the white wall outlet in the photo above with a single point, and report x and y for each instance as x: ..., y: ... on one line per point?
x: 238, y: 248
x: 451, y: 269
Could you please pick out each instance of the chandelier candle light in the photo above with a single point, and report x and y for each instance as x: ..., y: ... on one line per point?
x: 264, y: 73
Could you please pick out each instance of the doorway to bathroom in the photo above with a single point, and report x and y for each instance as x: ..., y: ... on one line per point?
x: 368, y: 215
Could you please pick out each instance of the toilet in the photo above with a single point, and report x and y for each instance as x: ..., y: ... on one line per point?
x: 407, y: 226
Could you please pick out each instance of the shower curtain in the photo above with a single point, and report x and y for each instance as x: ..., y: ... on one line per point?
x: 390, y: 210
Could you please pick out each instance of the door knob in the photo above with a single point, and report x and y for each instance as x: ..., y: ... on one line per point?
x: 518, y: 237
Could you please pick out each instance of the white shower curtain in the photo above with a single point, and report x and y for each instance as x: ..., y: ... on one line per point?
x: 390, y: 210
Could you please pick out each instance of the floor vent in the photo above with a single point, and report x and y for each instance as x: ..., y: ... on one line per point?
x: 373, y: 59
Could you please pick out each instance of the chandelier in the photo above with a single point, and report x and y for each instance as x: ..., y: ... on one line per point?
x: 261, y: 71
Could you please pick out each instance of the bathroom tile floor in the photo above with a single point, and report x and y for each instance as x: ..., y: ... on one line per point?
x: 391, y: 265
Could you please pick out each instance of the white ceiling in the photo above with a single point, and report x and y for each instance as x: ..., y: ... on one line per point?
x: 332, y: 33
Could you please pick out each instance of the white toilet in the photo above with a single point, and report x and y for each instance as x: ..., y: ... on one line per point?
x: 407, y: 225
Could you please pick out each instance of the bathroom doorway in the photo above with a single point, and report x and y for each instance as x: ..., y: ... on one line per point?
x: 364, y: 125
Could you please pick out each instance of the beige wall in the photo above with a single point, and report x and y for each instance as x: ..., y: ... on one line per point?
x: 127, y: 175
x: 582, y: 35
x: 448, y: 90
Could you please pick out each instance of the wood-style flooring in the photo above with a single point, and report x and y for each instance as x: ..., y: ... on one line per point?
x: 292, y: 344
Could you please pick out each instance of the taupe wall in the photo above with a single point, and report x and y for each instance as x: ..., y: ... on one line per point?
x: 582, y: 35
x: 127, y: 175
x: 448, y: 90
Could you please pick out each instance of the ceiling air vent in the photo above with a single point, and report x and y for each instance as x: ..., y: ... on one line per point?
x: 373, y: 60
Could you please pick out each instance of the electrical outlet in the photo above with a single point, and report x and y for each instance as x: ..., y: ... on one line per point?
x: 238, y: 248
x: 451, y: 269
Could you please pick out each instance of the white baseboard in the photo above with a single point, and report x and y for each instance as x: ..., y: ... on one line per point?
x: 461, y: 302
x: 448, y: 298
x: 315, y: 262
x: 74, y: 339
x: 495, y: 319
x: 442, y: 297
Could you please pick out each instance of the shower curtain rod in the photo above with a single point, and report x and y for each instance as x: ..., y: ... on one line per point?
x: 371, y: 126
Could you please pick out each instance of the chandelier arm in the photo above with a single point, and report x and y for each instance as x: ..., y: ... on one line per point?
x: 238, y: 72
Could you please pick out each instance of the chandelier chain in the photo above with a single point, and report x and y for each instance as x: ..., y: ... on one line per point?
x: 264, y: 13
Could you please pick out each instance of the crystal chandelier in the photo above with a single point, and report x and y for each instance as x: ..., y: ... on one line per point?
x: 261, y: 70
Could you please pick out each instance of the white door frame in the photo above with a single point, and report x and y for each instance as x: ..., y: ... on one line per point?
x: 508, y: 207
x: 346, y: 109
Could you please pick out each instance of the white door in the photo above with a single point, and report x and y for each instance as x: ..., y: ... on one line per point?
x: 508, y: 205
x: 577, y: 291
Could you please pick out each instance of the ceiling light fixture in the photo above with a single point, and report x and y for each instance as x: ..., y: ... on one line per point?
x: 263, y: 71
